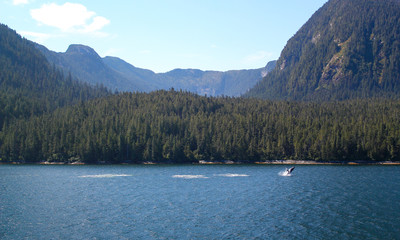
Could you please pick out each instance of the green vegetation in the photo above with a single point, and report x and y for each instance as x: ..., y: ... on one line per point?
x: 348, y: 49
x: 179, y: 127
x: 29, y: 86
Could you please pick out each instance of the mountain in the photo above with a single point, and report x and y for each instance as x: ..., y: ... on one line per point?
x: 146, y: 79
x: 347, y: 49
x: 29, y: 85
x: 47, y: 117
x: 215, y: 83
x: 85, y: 64
x: 116, y: 74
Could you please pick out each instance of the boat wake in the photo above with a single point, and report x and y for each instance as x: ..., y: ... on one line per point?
x: 189, y: 176
x: 231, y: 175
x: 105, y: 176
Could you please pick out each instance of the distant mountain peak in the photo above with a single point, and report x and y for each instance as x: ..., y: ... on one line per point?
x: 116, y: 74
x: 82, y: 50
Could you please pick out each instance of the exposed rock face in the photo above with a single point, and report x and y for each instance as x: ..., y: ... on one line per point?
x: 334, y: 72
x: 84, y: 63
x: 82, y: 50
x: 347, y: 49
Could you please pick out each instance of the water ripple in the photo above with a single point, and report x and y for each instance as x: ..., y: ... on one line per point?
x: 227, y: 202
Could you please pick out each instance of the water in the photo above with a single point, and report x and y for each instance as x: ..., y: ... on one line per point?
x: 199, y: 202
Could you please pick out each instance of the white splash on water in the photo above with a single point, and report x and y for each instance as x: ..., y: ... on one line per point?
x: 231, y: 175
x: 284, y: 174
x: 189, y: 176
x: 105, y: 176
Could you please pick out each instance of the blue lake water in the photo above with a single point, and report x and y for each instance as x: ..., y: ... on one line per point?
x: 199, y: 202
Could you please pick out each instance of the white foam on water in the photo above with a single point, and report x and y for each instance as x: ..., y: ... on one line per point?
x: 231, y: 175
x: 284, y: 174
x: 105, y: 176
x: 189, y: 176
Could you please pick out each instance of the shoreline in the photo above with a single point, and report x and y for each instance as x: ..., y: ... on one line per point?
x: 272, y: 162
x: 308, y: 162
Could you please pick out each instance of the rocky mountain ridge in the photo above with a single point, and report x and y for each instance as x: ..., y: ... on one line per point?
x: 347, y: 49
x: 116, y: 74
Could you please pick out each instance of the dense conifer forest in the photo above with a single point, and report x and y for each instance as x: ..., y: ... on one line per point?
x: 347, y: 49
x: 181, y: 127
x: 46, y: 116
x: 30, y: 86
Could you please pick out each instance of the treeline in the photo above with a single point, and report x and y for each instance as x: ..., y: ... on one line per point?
x: 346, y: 50
x: 181, y: 127
x: 30, y: 86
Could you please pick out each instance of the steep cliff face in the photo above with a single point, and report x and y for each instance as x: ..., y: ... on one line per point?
x: 347, y: 49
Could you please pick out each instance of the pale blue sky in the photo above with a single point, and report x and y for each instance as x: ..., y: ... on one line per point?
x: 162, y: 35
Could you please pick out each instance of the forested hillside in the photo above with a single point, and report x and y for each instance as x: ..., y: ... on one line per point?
x: 181, y: 127
x: 29, y: 85
x: 348, y: 49
x: 46, y: 116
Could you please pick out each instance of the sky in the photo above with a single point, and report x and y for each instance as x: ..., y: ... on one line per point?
x: 162, y: 35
